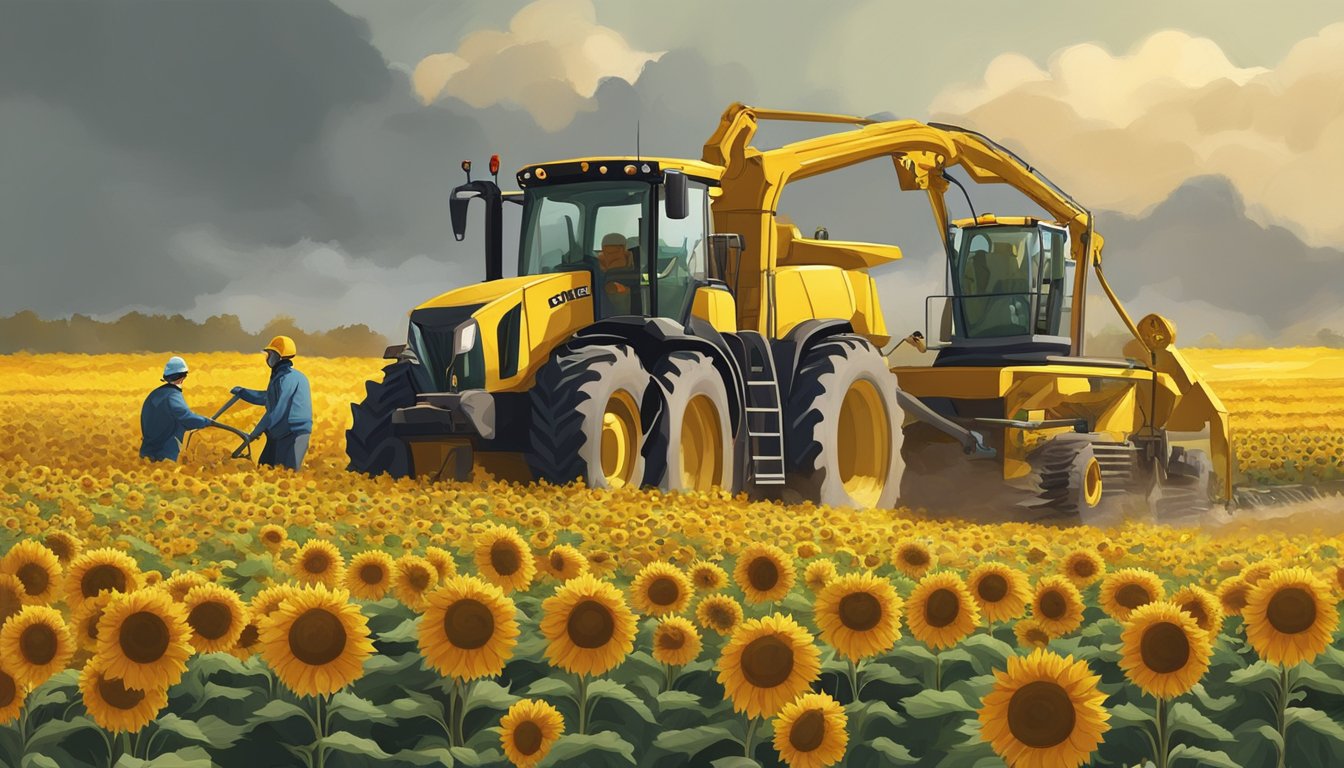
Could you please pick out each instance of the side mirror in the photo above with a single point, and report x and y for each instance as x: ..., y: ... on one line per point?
x: 457, y: 209
x: 677, y: 200
x: 938, y: 327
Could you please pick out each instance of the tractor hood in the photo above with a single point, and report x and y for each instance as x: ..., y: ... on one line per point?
x: 479, y: 294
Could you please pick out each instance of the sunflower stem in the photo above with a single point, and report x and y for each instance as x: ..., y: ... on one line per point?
x: 463, y: 690
x: 668, y: 677
x: 749, y: 742
x: 1163, y: 737
x: 1284, y: 690
x: 938, y: 670
x: 319, y: 730
x: 853, y: 681
x: 583, y: 704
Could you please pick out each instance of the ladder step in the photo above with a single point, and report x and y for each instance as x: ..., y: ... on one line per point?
x: 764, y: 434
x: 756, y: 409
x: 767, y: 383
x: 769, y: 479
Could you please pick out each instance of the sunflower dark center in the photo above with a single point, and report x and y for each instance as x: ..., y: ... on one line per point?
x: 371, y: 573
x: 993, y: 588
x: 808, y: 731
x: 143, y: 637
x: 1164, y: 648
x: 117, y: 695
x: 91, y: 625
x: 7, y: 690
x: 1041, y: 714
x: 418, y: 578
x: 38, y: 644
x: 250, y: 636
x: 10, y: 603
x: 1084, y: 567
x: 762, y: 574
x: 1037, y: 636
x: 1053, y: 605
x: 941, y: 608
x: 316, y: 562
x: 1196, y: 610
x: 915, y: 556
x: 211, y: 620
x: 1291, y: 610
x: 860, y: 611
x: 1132, y: 596
x: 59, y: 547
x: 504, y: 558
x: 1235, y: 599
x: 557, y: 561
x: 721, y: 616
x: 590, y: 625
x: 101, y: 577
x: 317, y: 637
x: 663, y: 591
x: 671, y: 639
x: 767, y: 661
x: 527, y: 737
x: 468, y: 624
x: 34, y: 577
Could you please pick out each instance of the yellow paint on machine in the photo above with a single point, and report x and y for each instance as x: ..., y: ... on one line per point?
x: 716, y: 307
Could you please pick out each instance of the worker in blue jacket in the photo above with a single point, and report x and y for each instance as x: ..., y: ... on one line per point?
x: 165, y: 417
x: 288, y: 421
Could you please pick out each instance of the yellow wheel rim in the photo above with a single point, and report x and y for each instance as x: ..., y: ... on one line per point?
x: 620, y: 439
x: 701, y: 446
x: 863, y: 443
x: 1092, y: 483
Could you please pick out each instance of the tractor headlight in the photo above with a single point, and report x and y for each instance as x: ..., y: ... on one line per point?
x: 464, y: 338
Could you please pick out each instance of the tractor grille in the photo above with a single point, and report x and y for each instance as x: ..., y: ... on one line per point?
x: 433, y: 335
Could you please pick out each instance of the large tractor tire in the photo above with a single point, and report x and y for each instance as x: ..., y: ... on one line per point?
x: 370, y: 444
x: 1069, y: 479
x: 586, y: 418
x: 691, y: 445
x: 1187, y: 487
x: 843, y: 427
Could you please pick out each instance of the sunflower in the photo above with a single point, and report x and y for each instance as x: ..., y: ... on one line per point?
x: 216, y: 616
x: 913, y: 559
x: 1163, y: 650
x: 767, y: 663
x: 1290, y: 617
x: 12, y: 596
x: 1044, y: 710
x: 268, y: 600
x: 12, y: 696
x: 65, y: 546
x: 504, y: 559
x: 1000, y: 591
x: 369, y: 575
x: 720, y: 613
x: 98, y: 570
x: 528, y: 731
x: 114, y: 705
x: 35, y: 644
x: 810, y: 731
x: 1202, y: 607
x: 412, y: 579
x: 1232, y: 595
x: 818, y: 574
x: 443, y: 562
x: 564, y: 562
x: 249, y: 640
x: 468, y: 629
x: 316, y: 641
x: 1030, y: 634
x: 1128, y: 588
x: 859, y: 615
x: 660, y: 589
x: 764, y: 573
x: 144, y: 639
x: 179, y: 584
x: 676, y: 643
x: 318, y: 562
x: 707, y: 576
x: 940, y: 610
x: 1058, y: 605
x: 36, y: 567
x: 1257, y: 572
x: 273, y: 536
x: 1083, y: 567
x: 588, y: 627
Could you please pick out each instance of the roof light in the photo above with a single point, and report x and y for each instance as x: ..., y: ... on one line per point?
x: 630, y: 170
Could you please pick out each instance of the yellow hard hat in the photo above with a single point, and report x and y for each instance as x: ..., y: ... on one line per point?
x: 282, y: 346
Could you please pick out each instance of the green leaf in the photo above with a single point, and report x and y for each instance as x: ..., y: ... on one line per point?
x: 190, y: 757
x: 913, y: 652
x: 354, y: 709
x: 1310, y: 677
x: 892, y: 751
x: 1256, y: 673
x: 1209, y: 702
x: 55, y: 731
x: 735, y: 761
x: 551, y: 686
x: 692, y: 741
x: 580, y: 748
x: 1184, y: 717
x: 669, y: 701
x: 344, y: 741
x: 876, y: 671
x: 1130, y: 715
x: 415, y: 704
x: 439, y: 756
x: 487, y: 694
x: 1201, y: 757
x: 931, y: 703
x: 1316, y: 720
x: 34, y: 760
x: 277, y: 710
x: 406, y: 632
x: 610, y: 689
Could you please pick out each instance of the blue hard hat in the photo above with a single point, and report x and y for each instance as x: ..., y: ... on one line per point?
x: 175, y: 366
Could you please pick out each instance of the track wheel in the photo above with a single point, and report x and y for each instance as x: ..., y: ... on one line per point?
x: 586, y: 406
x: 842, y: 422
x: 691, y: 446
x: 369, y: 442
x: 1069, y: 478
x: 1186, y: 489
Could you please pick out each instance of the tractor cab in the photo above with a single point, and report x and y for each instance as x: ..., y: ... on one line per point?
x: 1010, y: 292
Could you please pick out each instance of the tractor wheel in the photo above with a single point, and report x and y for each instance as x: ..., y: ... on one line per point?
x: 1185, y: 491
x: 691, y: 445
x: 586, y: 418
x: 843, y: 427
x: 369, y: 442
x: 1069, y: 479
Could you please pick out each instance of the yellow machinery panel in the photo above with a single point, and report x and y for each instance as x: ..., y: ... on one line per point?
x: 716, y: 307
x: 815, y: 291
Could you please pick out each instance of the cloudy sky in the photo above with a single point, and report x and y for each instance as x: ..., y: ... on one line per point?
x: 263, y: 158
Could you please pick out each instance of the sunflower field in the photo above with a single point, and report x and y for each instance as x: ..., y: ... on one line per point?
x: 210, y: 612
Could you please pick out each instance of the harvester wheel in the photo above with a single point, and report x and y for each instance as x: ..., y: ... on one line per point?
x: 843, y: 422
x: 1069, y: 478
x: 691, y: 445
x: 369, y: 442
x: 1185, y: 491
x: 586, y: 422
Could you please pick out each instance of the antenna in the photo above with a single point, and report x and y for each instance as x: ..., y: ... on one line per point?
x: 636, y: 140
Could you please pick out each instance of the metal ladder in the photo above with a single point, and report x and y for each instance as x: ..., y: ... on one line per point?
x: 765, y: 418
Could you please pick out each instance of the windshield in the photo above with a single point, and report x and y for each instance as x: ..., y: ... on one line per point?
x: 1010, y: 281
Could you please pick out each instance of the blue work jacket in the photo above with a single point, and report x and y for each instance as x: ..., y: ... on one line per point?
x: 164, y: 419
x: 288, y: 401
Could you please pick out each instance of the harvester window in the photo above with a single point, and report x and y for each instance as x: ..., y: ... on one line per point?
x: 1010, y: 281
x: 681, y: 253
